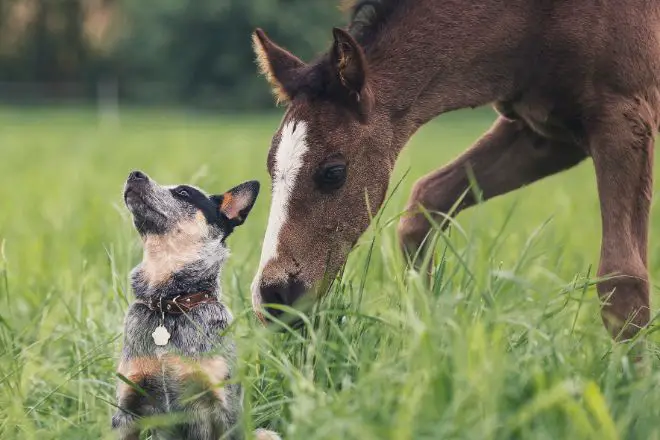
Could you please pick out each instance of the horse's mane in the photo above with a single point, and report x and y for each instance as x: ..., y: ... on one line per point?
x: 368, y: 17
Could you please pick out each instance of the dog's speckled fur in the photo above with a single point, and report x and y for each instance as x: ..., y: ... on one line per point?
x: 183, y: 232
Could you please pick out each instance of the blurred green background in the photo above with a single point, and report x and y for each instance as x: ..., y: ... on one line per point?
x: 192, y: 52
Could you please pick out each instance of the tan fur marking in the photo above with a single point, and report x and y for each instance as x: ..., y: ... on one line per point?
x: 263, y: 434
x: 232, y: 204
x: 215, y: 368
x: 210, y: 371
x: 181, y: 367
x: 216, y: 372
x: 226, y: 201
x: 165, y: 254
x: 265, y: 68
x: 136, y: 370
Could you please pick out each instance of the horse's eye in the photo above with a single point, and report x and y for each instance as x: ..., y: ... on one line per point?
x: 181, y: 192
x: 331, y: 177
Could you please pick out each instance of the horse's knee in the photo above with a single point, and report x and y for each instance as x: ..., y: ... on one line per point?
x: 412, y: 231
x: 429, y: 197
x: 625, y: 298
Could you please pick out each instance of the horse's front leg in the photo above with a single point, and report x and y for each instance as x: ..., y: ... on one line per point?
x: 507, y: 157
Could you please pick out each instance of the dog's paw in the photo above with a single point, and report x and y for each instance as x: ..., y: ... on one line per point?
x: 264, y: 434
x: 121, y: 419
x: 126, y: 425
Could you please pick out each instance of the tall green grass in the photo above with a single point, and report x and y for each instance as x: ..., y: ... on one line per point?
x: 506, y: 343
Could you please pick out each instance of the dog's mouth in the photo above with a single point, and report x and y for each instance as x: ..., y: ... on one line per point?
x: 133, y: 199
x: 131, y: 195
x: 140, y: 207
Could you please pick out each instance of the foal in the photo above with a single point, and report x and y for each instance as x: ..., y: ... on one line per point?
x: 570, y: 79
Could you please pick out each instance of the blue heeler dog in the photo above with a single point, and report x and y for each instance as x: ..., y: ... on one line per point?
x: 174, y: 359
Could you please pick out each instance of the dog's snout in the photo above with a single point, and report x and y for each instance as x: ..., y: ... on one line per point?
x: 136, y: 176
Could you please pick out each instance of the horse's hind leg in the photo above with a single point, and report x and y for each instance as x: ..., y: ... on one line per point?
x: 621, y: 144
x: 507, y: 157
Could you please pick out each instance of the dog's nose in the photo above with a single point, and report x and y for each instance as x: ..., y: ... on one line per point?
x: 136, y: 176
x: 285, y: 294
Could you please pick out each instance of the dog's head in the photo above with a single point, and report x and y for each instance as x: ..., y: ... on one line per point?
x: 181, y: 225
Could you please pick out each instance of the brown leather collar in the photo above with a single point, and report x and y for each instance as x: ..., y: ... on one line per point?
x: 181, y: 304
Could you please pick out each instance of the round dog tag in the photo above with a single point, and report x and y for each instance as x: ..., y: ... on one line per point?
x: 161, y: 335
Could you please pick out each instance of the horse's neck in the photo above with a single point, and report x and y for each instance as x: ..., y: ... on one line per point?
x: 446, y: 55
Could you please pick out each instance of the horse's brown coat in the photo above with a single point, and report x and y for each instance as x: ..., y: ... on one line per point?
x: 570, y: 79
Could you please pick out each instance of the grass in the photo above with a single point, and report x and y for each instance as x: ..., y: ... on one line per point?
x: 508, y: 343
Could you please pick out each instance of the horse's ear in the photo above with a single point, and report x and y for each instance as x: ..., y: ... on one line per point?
x: 280, y: 67
x: 349, y: 63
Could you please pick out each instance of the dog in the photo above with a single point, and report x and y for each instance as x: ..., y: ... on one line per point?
x: 175, y: 360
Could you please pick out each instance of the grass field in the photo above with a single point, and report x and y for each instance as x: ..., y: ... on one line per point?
x: 507, y: 345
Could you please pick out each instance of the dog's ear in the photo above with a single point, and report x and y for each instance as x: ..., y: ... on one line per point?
x: 235, y: 204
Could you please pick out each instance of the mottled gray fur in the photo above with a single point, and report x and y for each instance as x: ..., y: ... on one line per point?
x: 185, y: 378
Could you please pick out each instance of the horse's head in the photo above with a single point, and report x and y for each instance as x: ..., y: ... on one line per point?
x: 330, y: 163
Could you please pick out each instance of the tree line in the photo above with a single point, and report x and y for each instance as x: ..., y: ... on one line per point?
x: 194, y: 52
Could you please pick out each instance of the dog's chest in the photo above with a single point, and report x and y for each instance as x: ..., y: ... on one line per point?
x: 196, y: 359
x: 192, y: 335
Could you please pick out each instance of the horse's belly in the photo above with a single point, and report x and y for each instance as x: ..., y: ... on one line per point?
x: 542, y: 118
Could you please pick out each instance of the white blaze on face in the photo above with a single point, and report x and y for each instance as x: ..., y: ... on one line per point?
x: 288, y: 161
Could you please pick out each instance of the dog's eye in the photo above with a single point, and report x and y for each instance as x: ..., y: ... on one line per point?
x: 181, y: 192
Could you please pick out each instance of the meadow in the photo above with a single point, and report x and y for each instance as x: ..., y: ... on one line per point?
x: 506, y: 344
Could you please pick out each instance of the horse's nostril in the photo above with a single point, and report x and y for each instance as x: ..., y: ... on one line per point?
x: 274, y: 294
x: 286, y: 294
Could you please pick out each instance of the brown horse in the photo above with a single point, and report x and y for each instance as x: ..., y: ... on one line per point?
x: 570, y: 79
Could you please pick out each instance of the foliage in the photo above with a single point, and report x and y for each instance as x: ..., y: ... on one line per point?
x: 189, y: 51
x: 507, y: 344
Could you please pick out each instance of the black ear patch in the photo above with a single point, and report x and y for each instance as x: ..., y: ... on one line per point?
x: 236, y: 204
